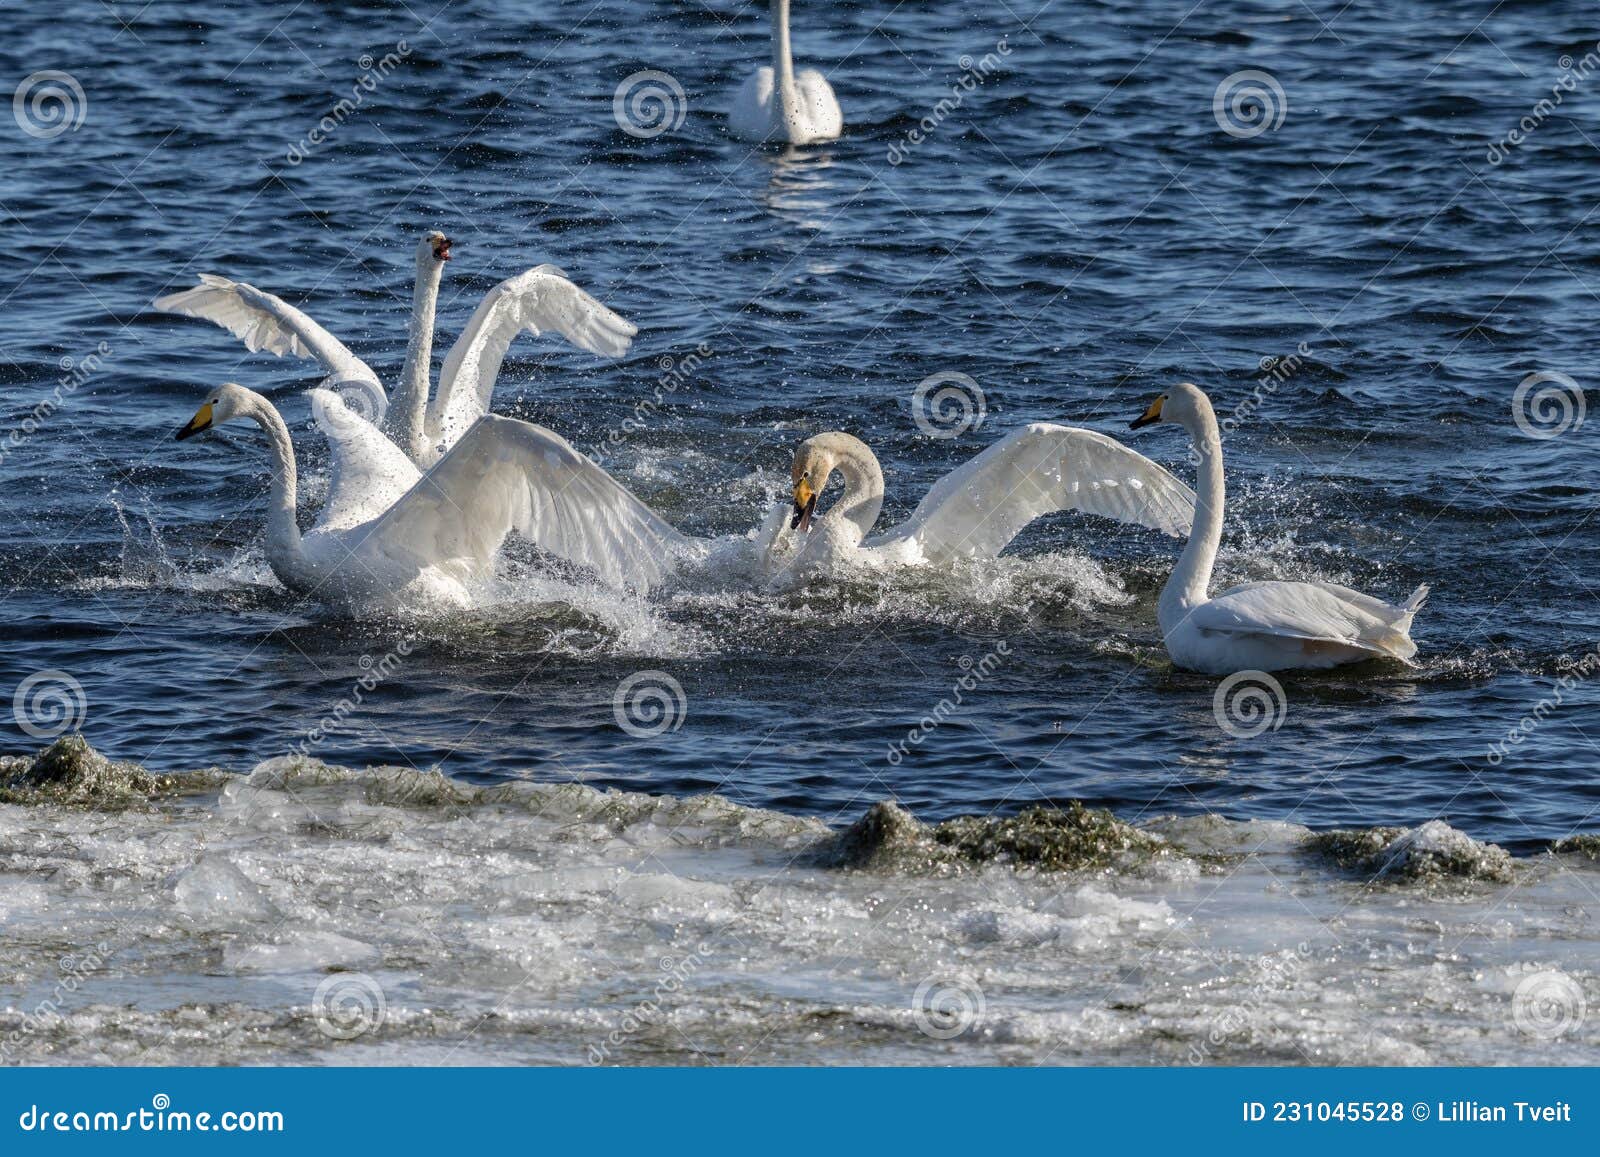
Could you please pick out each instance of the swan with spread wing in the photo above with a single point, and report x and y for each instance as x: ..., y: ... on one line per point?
x: 1260, y: 626
x: 977, y: 509
x: 537, y: 301
x: 389, y: 536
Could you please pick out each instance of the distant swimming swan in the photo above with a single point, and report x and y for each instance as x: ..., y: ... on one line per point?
x: 381, y: 541
x: 1262, y: 626
x: 777, y: 103
x: 977, y: 509
x: 540, y: 299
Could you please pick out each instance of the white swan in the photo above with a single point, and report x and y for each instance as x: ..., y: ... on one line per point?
x: 439, y: 537
x: 977, y: 509
x: 540, y: 299
x: 1261, y: 626
x: 777, y: 103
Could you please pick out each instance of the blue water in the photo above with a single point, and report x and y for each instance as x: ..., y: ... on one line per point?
x: 1079, y: 233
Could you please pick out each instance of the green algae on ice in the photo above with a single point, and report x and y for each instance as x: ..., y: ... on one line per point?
x: 69, y: 771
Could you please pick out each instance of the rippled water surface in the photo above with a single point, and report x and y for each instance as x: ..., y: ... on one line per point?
x: 1361, y: 274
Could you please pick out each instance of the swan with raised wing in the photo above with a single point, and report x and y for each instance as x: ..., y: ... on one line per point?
x: 778, y: 103
x: 978, y: 508
x: 424, y: 426
x: 1260, y: 626
x: 380, y: 545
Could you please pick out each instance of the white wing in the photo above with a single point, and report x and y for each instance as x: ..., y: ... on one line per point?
x: 506, y: 475
x: 976, y: 509
x: 265, y: 322
x: 539, y: 300
x: 369, y: 472
x: 1315, y: 611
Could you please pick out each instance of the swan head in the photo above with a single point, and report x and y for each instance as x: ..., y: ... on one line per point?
x: 1183, y: 404
x: 434, y: 248
x: 222, y: 404
x: 815, y: 461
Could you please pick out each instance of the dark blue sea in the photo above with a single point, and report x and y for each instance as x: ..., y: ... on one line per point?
x: 1383, y: 264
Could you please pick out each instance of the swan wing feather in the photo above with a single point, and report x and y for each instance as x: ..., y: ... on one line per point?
x: 976, y: 509
x: 265, y: 322
x: 1316, y: 611
x: 540, y: 300
x: 368, y: 473
x: 504, y: 475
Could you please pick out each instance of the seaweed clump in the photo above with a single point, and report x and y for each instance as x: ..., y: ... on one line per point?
x: 1584, y: 845
x: 1430, y: 853
x: 888, y: 837
x: 71, y: 772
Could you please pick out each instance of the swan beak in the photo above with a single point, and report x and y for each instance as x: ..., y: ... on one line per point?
x: 1153, y: 414
x: 805, y: 505
x: 441, y: 251
x: 200, y: 421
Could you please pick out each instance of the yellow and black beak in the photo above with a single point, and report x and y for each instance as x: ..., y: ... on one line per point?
x: 1153, y: 414
x: 805, y: 505
x: 200, y: 421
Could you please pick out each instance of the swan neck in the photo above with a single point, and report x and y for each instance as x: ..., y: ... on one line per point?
x: 782, y: 57
x: 283, y: 532
x: 863, y: 488
x: 416, y: 378
x: 1190, y: 584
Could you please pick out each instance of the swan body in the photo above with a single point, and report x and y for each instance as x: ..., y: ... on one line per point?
x: 977, y: 509
x: 537, y: 301
x: 1260, y: 626
x: 381, y: 542
x: 778, y: 103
